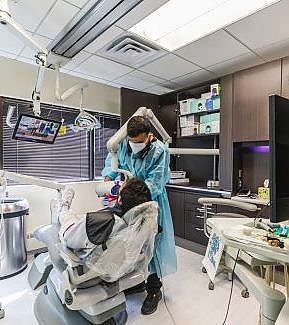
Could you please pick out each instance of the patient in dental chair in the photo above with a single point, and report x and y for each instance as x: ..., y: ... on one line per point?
x: 112, y: 239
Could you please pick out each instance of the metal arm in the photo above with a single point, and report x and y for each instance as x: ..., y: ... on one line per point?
x: 112, y: 143
x: 31, y: 180
x: 5, y: 19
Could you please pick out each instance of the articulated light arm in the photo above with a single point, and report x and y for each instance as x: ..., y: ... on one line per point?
x: 194, y: 151
x: 112, y: 143
x: 31, y: 180
x: 5, y: 19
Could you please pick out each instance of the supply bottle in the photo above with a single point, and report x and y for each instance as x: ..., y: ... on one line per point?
x: 240, y: 180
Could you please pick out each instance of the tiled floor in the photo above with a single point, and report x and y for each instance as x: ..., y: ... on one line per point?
x: 187, y: 298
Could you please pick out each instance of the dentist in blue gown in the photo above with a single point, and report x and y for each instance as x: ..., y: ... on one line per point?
x: 148, y: 158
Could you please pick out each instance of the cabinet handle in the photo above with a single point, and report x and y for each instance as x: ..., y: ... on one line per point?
x: 203, y: 209
x: 199, y: 229
x: 210, y: 213
x: 199, y: 217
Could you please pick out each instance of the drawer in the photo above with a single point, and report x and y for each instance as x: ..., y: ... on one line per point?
x: 196, y: 234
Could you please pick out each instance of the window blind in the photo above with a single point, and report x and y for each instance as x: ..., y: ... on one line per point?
x: 110, y: 124
x: 69, y: 158
x: 65, y: 160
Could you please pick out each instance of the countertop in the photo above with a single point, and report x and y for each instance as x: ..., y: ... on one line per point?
x: 250, y: 200
x: 200, y: 188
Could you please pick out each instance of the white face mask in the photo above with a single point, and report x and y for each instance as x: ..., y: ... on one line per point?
x: 137, y: 147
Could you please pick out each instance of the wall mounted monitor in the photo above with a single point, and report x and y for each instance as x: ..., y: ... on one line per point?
x: 35, y: 129
x: 279, y: 158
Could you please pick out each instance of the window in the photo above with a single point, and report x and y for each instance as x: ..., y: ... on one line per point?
x: 69, y: 158
x: 110, y: 125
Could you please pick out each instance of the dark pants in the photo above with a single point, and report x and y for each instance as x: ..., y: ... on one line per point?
x: 153, y: 284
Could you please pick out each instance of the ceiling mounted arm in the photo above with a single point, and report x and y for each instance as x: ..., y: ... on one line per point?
x: 68, y: 92
x: 5, y: 19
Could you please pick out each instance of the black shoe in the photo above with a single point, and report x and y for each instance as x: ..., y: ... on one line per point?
x: 150, y: 304
x: 136, y: 289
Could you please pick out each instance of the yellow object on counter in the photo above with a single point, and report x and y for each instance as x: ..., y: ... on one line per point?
x: 264, y: 193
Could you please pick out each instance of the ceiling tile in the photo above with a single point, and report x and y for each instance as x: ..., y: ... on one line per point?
x: 212, y: 49
x: 238, y: 63
x: 10, y: 42
x: 157, y: 90
x: 8, y: 55
x: 194, y: 78
x: 102, y: 68
x: 26, y: 60
x: 77, y: 60
x: 274, y: 51
x: 103, y: 39
x: 264, y: 27
x: 169, y: 66
x: 77, y: 3
x: 29, y: 52
x: 139, y: 80
x: 29, y: 13
x: 139, y: 12
x: 58, y: 17
x: 84, y: 76
x: 114, y: 84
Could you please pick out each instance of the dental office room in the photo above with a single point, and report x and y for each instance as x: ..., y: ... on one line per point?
x: 144, y: 153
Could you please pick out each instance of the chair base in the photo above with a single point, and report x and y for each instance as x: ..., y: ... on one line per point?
x: 39, y: 270
x: 48, y: 310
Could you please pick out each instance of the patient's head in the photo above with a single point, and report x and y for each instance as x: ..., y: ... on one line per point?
x: 133, y: 193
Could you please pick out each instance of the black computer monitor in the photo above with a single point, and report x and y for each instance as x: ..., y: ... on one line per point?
x: 279, y: 158
x: 35, y: 129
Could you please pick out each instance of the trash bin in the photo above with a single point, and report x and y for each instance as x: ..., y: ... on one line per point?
x: 13, y: 254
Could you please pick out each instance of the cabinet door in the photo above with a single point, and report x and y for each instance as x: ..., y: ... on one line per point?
x: 252, y: 88
x: 194, y: 219
x: 176, y: 200
x: 194, y: 226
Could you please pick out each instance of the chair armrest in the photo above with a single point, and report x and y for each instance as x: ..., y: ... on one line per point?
x: 228, y: 202
x: 68, y: 255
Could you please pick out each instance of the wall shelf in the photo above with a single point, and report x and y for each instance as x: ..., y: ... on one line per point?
x: 202, y: 112
x: 194, y: 136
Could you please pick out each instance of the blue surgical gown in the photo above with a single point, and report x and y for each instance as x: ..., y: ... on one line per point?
x: 154, y: 170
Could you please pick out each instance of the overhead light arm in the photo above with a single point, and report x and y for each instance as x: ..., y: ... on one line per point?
x: 20, y: 178
x: 68, y: 92
x: 112, y: 143
x: 5, y: 19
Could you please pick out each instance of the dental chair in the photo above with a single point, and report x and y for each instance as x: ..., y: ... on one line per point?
x: 227, y: 208
x: 86, y: 287
x: 244, y: 262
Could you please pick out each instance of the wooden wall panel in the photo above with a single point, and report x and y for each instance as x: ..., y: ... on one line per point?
x: 285, y: 77
x: 226, y: 145
x: 131, y: 100
x: 250, y: 101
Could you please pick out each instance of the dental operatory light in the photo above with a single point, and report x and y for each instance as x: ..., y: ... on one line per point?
x: 93, y: 20
x: 180, y: 22
x: 84, y: 120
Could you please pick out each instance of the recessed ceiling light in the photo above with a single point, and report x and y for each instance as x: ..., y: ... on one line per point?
x: 179, y: 22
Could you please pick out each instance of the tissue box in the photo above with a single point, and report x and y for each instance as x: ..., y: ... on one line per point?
x: 193, y: 105
x: 190, y: 130
x: 206, y: 95
x: 264, y: 193
x: 184, y: 106
x: 216, y: 102
x: 215, y: 89
x: 188, y: 120
x: 215, y: 127
x: 209, y: 104
x: 201, y: 104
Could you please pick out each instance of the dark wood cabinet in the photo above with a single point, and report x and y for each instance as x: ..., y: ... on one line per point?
x: 251, y: 90
x: 176, y: 200
x: 188, y: 221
